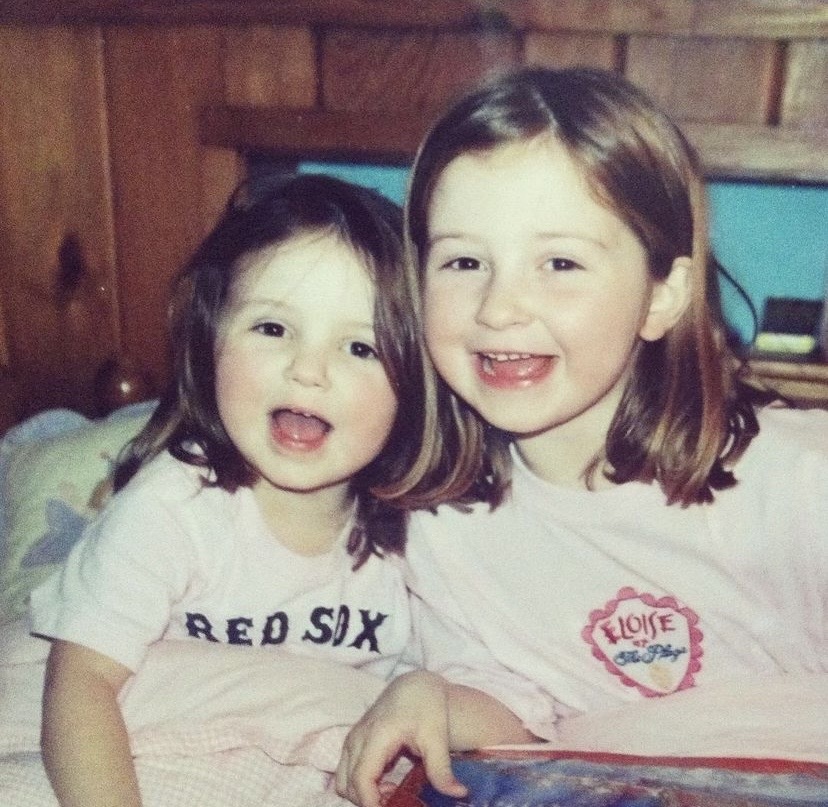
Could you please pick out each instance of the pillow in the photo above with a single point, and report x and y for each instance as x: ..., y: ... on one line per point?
x: 50, y: 423
x: 51, y: 488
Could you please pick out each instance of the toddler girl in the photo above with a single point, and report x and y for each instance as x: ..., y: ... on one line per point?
x: 247, y: 512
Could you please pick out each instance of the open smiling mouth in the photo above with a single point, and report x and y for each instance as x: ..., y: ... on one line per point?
x: 513, y: 369
x: 301, y: 430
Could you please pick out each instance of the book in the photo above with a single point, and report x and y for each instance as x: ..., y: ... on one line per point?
x: 789, y: 327
x: 542, y: 778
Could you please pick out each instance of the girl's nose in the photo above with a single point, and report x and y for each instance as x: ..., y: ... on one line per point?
x: 309, y: 367
x: 504, y: 303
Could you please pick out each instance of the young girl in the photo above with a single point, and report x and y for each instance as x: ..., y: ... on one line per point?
x: 643, y: 525
x: 250, y: 516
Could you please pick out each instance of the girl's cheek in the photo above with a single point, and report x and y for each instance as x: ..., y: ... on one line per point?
x: 446, y: 314
x: 434, y: 314
x: 441, y: 293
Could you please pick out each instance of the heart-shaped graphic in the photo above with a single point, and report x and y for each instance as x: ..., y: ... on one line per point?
x: 650, y: 643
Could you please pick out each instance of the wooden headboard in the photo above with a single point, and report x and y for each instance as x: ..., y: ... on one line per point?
x: 125, y: 123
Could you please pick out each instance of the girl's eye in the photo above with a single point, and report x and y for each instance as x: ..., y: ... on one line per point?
x: 563, y: 264
x: 270, y: 329
x: 362, y: 350
x: 463, y: 264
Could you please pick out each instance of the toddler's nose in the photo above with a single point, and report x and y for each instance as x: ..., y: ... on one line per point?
x: 309, y: 367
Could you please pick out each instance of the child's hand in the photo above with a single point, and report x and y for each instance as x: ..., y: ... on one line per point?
x: 411, y: 715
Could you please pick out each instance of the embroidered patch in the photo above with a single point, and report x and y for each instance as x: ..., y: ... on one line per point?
x: 650, y: 643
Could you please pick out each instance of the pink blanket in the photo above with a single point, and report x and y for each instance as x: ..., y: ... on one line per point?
x: 771, y: 717
x: 214, y: 726
x: 210, y: 725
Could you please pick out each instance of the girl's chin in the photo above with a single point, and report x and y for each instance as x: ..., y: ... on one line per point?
x: 518, y: 422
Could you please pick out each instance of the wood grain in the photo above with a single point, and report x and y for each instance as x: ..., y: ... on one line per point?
x: 573, y: 50
x: 761, y: 152
x: 263, y: 65
x: 315, y: 133
x: 804, y: 101
x: 56, y: 240
x: 270, y: 65
x: 158, y: 78
x: 739, y: 151
x: 676, y: 73
x: 769, y: 19
x: 366, y: 70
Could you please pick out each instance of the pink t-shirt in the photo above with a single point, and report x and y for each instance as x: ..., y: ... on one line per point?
x: 169, y: 558
x: 563, y: 600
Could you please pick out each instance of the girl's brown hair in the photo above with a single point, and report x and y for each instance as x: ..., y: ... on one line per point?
x: 258, y: 217
x: 684, y: 418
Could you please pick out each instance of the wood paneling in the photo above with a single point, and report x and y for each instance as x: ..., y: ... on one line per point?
x: 678, y: 73
x: 365, y: 70
x: 158, y: 79
x: 714, y: 18
x: 754, y: 18
x: 5, y: 363
x: 270, y: 66
x: 316, y: 133
x: 806, y: 383
x: 222, y: 169
x: 804, y: 100
x: 761, y: 152
x: 738, y: 151
x: 124, y: 125
x: 56, y: 242
x: 572, y: 50
x: 263, y: 66
x: 11, y: 406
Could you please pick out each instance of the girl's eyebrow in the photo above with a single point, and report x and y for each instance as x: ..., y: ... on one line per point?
x: 451, y: 236
x: 281, y: 305
x: 264, y: 302
x: 577, y: 236
x: 551, y: 235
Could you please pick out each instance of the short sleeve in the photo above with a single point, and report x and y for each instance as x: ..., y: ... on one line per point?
x: 115, y: 591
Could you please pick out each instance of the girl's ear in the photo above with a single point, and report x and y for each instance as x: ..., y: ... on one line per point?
x: 668, y: 300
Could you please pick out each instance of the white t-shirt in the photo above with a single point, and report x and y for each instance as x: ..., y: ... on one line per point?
x: 564, y: 600
x: 169, y: 558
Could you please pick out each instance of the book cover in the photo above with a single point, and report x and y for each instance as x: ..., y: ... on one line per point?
x: 562, y: 779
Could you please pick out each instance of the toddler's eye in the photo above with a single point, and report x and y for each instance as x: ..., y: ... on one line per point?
x: 563, y: 264
x: 463, y: 264
x: 362, y: 350
x: 270, y: 329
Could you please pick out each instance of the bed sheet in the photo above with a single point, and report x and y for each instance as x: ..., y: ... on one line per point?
x: 209, y: 725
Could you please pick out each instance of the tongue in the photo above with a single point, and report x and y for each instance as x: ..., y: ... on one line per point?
x: 302, y: 428
x: 516, y: 369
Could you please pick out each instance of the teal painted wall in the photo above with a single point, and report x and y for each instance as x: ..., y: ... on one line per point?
x: 772, y: 238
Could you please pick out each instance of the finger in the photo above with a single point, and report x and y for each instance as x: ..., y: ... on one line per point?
x: 341, y: 773
x: 362, y: 773
x: 438, y: 769
x: 365, y: 784
x: 364, y: 795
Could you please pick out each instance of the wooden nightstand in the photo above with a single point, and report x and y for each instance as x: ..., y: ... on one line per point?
x: 804, y: 382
